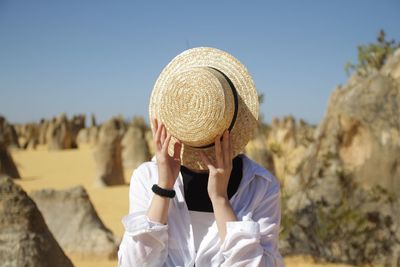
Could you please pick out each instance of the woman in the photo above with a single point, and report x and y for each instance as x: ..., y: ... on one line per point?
x: 200, y: 202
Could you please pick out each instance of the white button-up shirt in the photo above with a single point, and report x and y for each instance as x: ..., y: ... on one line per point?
x: 251, y: 241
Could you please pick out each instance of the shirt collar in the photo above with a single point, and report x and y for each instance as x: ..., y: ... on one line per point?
x: 250, y: 170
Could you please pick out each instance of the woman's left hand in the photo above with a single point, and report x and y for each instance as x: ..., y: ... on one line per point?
x: 220, y: 171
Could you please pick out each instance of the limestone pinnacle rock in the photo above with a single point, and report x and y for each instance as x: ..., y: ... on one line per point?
x: 73, y: 220
x: 25, y: 239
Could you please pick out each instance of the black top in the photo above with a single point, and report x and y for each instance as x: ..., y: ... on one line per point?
x: 195, y: 186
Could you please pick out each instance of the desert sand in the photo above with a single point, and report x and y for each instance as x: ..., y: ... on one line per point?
x: 41, y: 168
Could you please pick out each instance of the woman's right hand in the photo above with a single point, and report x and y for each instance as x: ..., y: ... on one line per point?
x: 168, y: 167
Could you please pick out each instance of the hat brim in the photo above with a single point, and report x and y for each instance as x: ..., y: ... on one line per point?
x: 248, y: 105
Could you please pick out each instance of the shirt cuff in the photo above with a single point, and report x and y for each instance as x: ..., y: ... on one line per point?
x: 137, y: 223
x: 249, y: 227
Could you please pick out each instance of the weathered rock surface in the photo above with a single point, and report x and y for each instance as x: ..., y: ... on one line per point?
x: 107, y: 154
x: 148, y: 136
x: 7, y: 138
x: 347, y: 207
x: 75, y: 223
x: 392, y: 67
x: 87, y: 136
x: 288, y: 142
x: 134, y: 148
x: 43, y: 125
x: 25, y: 239
x: 59, y: 134
x: 8, y: 134
x: 281, y: 148
x: 257, y: 150
x: 7, y: 165
x: 77, y: 123
x: 362, y: 129
x: 28, y: 135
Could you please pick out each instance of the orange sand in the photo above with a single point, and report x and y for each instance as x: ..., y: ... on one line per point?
x: 63, y: 169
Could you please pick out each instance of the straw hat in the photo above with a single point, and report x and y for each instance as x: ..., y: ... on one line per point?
x: 198, y: 95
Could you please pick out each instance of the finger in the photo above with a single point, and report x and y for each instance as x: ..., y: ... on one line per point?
x: 218, y: 152
x: 230, y: 146
x: 166, y: 143
x: 206, y: 161
x: 155, y: 126
x: 163, y: 133
x: 177, y: 150
x: 225, y: 148
x: 157, y: 137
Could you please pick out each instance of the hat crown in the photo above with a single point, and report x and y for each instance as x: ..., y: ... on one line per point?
x: 194, y: 127
x: 197, y: 105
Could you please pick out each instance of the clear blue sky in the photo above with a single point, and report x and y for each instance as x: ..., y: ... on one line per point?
x: 104, y: 56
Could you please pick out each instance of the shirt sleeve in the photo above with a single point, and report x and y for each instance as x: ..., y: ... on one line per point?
x: 144, y: 242
x: 253, y: 241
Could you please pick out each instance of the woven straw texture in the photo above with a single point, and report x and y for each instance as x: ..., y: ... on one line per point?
x: 196, y: 104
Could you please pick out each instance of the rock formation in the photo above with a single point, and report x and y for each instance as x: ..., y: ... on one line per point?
x: 392, y: 67
x: 25, y: 239
x: 257, y: 150
x: 31, y: 136
x: 27, y: 135
x: 7, y: 165
x: 148, y: 136
x: 43, y: 126
x: 77, y: 123
x: 75, y: 224
x: 347, y: 206
x: 59, y: 135
x: 135, y: 150
x: 8, y: 134
x: 107, y: 154
x: 288, y: 142
x: 93, y: 120
x: 87, y: 136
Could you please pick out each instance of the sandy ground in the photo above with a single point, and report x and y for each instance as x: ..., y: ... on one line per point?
x: 63, y: 169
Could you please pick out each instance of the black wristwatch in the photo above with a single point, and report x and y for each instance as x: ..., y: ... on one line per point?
x: 163, y: 192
